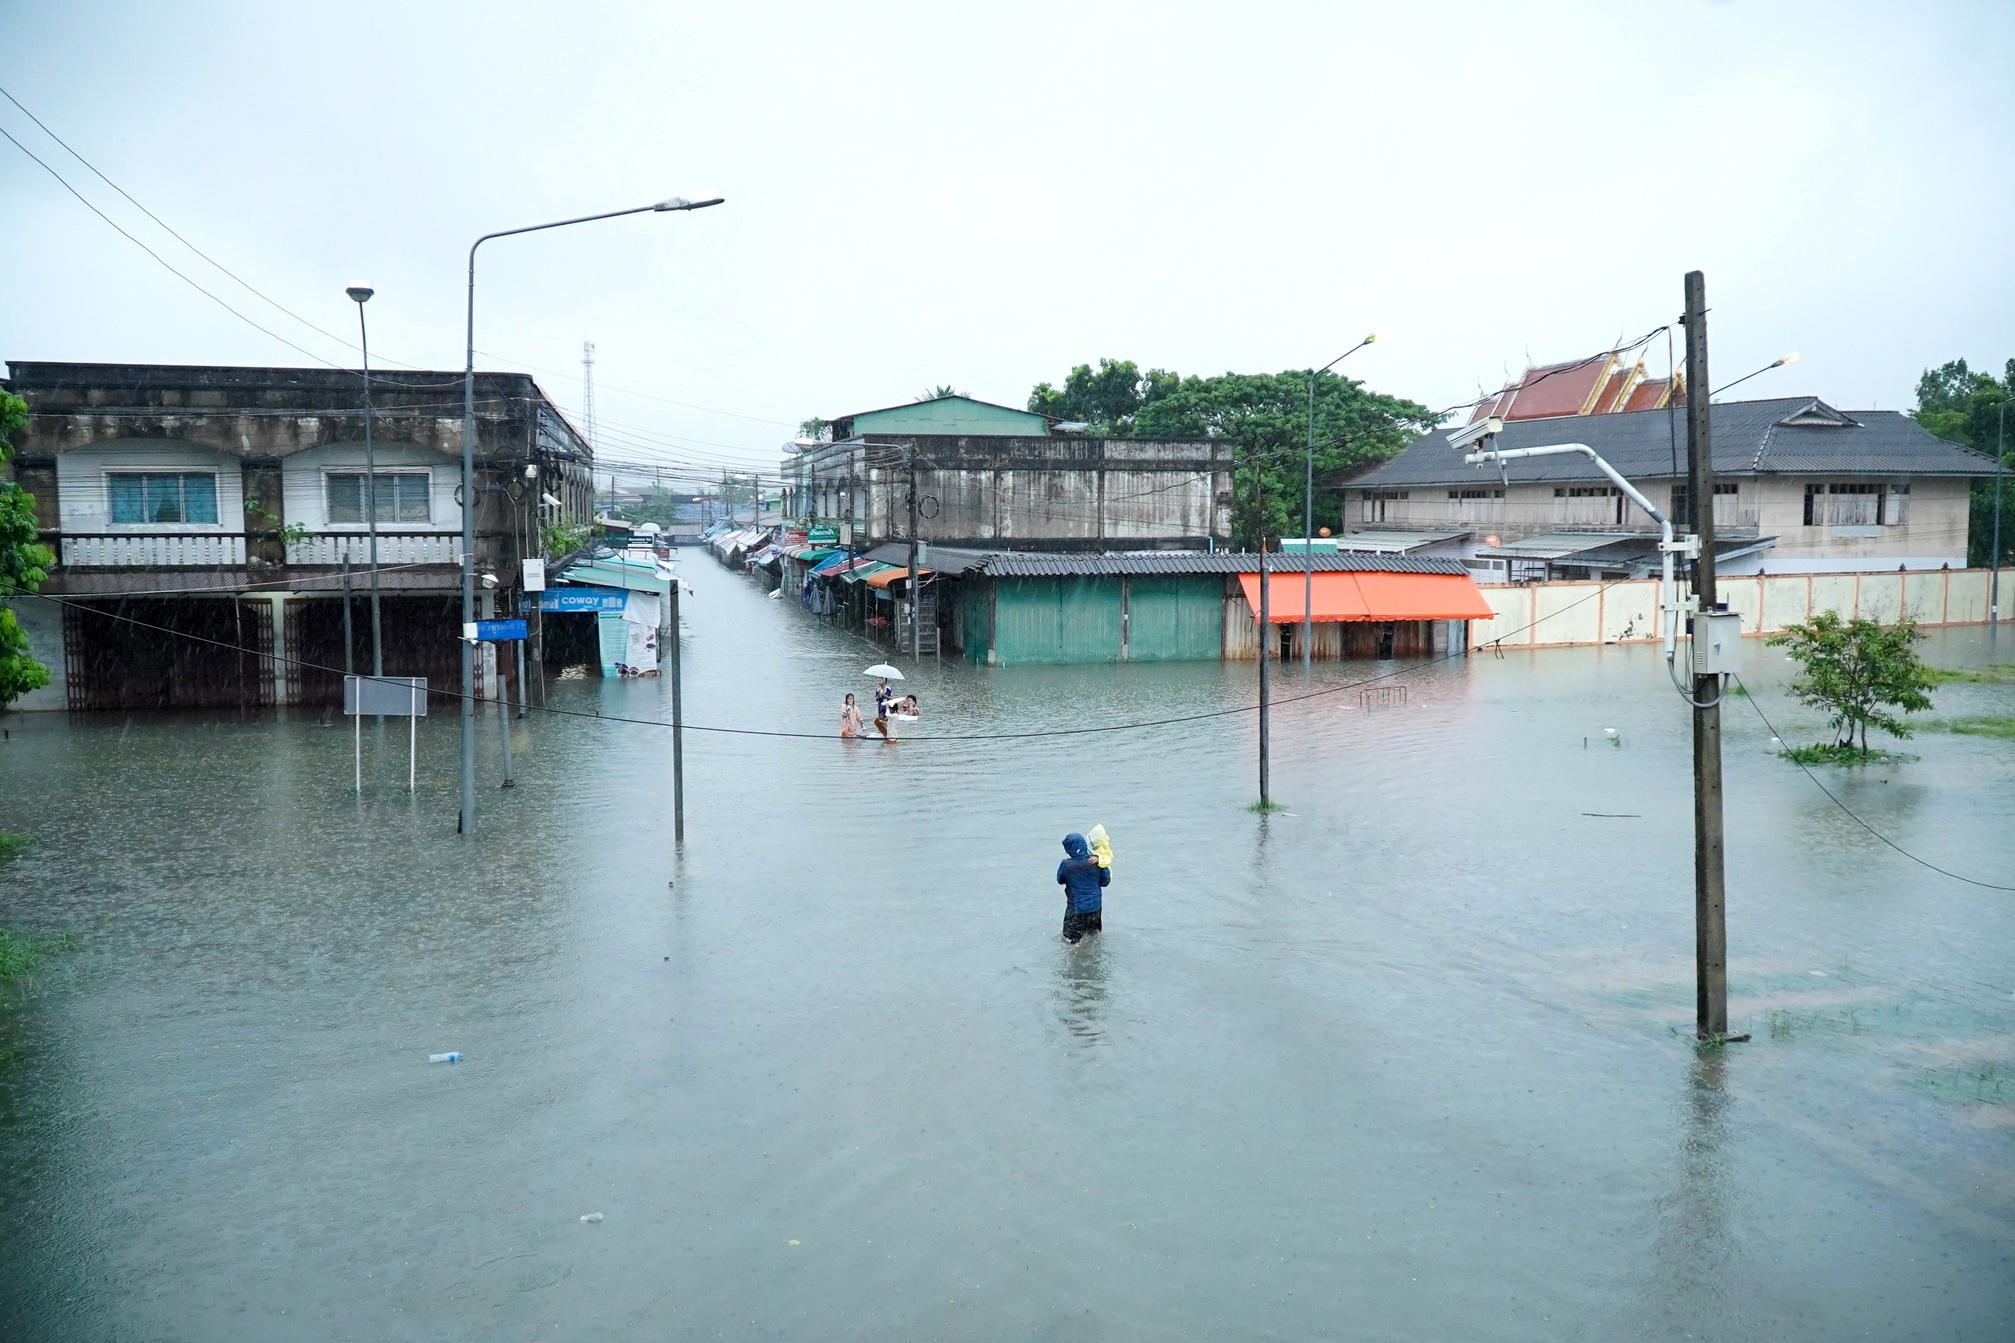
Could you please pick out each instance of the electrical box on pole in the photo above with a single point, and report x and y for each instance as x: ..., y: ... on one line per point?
x: 1717, y: 643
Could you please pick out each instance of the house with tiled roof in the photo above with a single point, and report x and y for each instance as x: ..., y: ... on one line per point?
x: 1800, y: 486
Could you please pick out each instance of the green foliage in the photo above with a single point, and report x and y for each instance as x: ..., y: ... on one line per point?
x: 561, y: 539
x: 816, y: 429
x: 1833, y: 753
x: 1107, y: 400
x: 1983, y: 725
x: 1857, y: 670
x: 12, y: 845
x: 24, y: 563
x: 1965, y: 407
x: 939, y: 392
x: 1264, y: 415
x: 1993, y: 675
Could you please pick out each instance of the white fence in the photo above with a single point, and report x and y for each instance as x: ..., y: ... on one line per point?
x: 393, y: 548
x: 1552, y: 615
x: 177, y: 550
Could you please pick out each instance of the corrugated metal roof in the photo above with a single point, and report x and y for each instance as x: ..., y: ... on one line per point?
x: 1750, y: 438
x: 1027, y: 564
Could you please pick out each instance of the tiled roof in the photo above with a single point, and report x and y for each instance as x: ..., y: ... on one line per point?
x: 1750, y: 438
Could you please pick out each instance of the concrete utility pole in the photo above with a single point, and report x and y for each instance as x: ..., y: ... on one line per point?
x: 1308, y: 515
x: 916, y: 579
x: 1994, y: 558
x: 1265, y: 630
x: 1710, y: 931
x: 678, y: 728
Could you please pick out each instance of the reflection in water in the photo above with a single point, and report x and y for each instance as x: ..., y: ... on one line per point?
x: 1082, y: 985
x: 1693, y: 1250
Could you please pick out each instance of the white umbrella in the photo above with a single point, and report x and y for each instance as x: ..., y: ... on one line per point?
x: 883, y: 669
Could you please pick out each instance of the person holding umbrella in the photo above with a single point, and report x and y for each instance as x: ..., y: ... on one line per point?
x: 884, y: 698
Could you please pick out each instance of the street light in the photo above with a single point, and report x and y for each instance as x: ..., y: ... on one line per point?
x: 1791, y: 358
x: 361, y: 294
x: 1308, y: 511
x: 467, y: 821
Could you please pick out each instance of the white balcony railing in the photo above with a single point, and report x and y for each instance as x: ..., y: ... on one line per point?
x: 153, y: 550
x: 393, y: 548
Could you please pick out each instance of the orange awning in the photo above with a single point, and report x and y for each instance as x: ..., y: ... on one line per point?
x: 1369, y: 596
x: 888, y: 576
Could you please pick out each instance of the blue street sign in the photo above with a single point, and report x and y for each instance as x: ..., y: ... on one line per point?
x: 499, y: 631
x: 583, y: 598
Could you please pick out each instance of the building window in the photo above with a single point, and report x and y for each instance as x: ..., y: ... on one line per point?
x: 397, y: 496
x: 1896, y: 507
x: 1682, y: 504
x: 1376, y: 500
x: 1854, y: 504
x: 1588, y: 504
x: 182, y: 496
x: 1476, y: 504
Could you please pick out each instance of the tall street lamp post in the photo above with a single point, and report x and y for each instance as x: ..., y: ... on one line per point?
x: 361, y: 293
x: 1308, y: 511
x: 467, y: 821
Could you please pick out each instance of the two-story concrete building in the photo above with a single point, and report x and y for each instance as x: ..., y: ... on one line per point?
x: 993, y: 477
x: 222, y: 503
x: 1799, y: 488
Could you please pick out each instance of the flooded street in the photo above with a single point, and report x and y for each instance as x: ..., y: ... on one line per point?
x: 1412, y: 1059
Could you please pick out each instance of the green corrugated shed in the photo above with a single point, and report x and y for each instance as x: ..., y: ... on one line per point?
x: 1175, y: 619
x: 1055, y: 620
x: 1066, y: 620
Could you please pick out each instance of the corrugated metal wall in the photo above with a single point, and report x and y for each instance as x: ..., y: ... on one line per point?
x: 1175, y: 619
x: 1056, y: 620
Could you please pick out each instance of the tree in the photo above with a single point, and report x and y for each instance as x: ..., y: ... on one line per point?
x: 1105, y: 401
x: 939, y: 392
x: 816, y: 430
x: 1964, y: 407
x: 1857, y: 670
x: 1265, y: 415
x: 24, y: 563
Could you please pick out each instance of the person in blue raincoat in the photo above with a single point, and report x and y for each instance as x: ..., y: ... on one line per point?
x: 1082, y: 880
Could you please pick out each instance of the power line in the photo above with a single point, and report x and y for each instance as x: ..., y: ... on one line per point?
x: 1831, y: 796
x: 1091, y: 729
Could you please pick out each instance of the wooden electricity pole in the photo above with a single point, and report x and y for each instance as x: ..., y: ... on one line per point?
x: 1710, y: 929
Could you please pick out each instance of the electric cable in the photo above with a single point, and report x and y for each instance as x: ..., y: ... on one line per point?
x: 1922, y: 862
x: 1091, y: 729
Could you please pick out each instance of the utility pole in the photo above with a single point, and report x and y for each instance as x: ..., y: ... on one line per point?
x: 916, y: 580
x: 1265, y: 629
x: 1710, y: 931
x: 349, y: 640
x: 678, y: 729
x: 1994, y: 558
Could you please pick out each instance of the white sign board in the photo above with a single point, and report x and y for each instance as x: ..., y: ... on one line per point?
x: 535, y: 575
x: 393, y: 696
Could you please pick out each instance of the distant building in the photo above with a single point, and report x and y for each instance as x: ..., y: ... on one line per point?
x: 1834, y: 492
x: 1605, y: 386
x: 992, y: 477
x: 221, y: 502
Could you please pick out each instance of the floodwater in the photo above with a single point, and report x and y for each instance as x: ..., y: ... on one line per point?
x: 1412, y: 1059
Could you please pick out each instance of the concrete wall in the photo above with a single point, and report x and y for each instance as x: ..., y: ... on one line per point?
x: 1055, y: 492
x: 1934, y: 534
x: 1546, y: 615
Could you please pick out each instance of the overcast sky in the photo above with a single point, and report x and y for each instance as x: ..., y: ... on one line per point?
x: 984, y: 196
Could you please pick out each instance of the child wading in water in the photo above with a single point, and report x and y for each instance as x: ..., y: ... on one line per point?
x: 850, y: 719
x: 1083, y: 882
